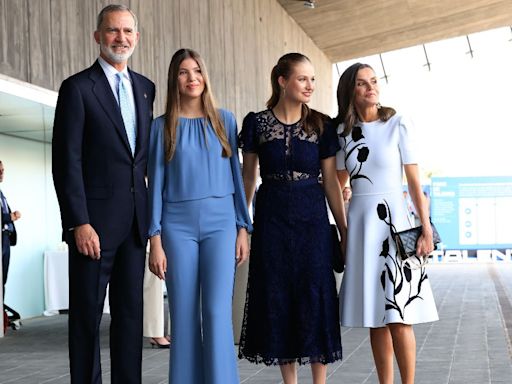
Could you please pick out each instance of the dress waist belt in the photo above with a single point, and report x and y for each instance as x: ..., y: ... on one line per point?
x: 309, y: 181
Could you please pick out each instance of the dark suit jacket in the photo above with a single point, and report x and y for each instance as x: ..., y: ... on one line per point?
x: 96, y: 178
x: 6, y: 219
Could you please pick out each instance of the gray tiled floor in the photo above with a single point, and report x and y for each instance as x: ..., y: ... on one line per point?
x: 468, y: 345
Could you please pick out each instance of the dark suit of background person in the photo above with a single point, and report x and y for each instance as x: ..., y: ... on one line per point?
x: 8, y: 229
x: 103, y: 201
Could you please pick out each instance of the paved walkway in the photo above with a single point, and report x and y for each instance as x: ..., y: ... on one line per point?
x: 469, y: 345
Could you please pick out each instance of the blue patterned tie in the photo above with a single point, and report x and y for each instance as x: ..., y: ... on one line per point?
x: 126, y: 111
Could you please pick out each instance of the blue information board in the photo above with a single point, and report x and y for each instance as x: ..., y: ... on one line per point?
x: 473, y: 212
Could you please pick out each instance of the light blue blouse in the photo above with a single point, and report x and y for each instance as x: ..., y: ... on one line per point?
x: 197, y: 169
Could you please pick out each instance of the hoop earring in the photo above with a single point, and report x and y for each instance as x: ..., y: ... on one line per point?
x: 284, y: 91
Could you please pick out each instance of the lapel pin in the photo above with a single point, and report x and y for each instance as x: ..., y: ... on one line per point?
x: 145, y: 96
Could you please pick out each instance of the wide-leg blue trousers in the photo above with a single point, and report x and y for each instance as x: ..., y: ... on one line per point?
x: 198, y: 238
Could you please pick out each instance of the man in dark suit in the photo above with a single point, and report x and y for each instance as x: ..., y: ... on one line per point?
x: 100, y: 135
x: 9, y: 236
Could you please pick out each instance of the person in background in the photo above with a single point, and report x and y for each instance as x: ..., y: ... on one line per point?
x: 153, y: 326
x: 291, y: 313
x: 199, y: 222
x: 427, y: 202
x: 380, y: 291
x: 410, y: 209
x: 9, y: 235
x: 347, y: 195
x: 99, y: 156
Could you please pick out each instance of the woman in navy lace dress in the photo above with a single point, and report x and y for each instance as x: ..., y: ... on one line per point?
x: 291, y: 312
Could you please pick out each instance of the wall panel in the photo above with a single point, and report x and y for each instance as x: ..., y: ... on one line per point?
x: 45, y: 41
x: 228, y: 55
x: 215, y: 47
x: 40, y: 43
x: 71, y: 34
x: 14, y: 52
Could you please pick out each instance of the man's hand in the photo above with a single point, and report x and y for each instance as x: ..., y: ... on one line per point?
x: 15, y: 215
x: 87, y: 241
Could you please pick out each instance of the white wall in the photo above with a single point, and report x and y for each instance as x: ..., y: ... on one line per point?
x: 28, y: 187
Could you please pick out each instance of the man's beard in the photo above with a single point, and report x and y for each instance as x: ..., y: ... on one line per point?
x: 115, y: 57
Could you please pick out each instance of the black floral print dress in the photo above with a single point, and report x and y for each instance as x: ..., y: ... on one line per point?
x: 378, y: 287
x: 291, y: 312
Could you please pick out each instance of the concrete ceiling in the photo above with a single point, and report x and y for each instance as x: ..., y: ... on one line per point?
x: 25, y: 119
x: 348, y: 29
x: 26, y: 111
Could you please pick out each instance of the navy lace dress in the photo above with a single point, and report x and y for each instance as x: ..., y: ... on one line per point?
x: 291, y: 311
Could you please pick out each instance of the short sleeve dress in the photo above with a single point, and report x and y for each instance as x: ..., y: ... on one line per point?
x: 379, y: 288
x: 291, y: 310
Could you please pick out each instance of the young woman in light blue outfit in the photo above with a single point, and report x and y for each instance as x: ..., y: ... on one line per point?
x: 199, y: 222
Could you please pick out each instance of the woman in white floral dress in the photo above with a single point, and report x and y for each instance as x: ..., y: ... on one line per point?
x: 380, y: 290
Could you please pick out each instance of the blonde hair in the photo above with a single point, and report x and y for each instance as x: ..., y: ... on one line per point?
x: 173, y: 105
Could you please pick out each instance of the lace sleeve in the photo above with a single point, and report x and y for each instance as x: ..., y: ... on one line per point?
x: 329, y: 143
x: 248, y: 138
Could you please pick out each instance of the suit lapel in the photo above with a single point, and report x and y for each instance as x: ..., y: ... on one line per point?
x: 4, y: 207
x: 141, y: 104
x: 108, y: 102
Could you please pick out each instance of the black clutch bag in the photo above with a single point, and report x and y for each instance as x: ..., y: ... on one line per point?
x: 337, y: 262
x: 406, y: 240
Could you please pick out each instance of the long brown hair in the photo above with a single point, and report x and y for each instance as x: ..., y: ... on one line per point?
x: 172, y: 108
x: 346, y: 91
x: 311, y: 120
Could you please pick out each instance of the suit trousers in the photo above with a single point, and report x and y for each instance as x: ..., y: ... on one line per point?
x: 199, y: 237
x: 123, y: 268
x: 6, y: 257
